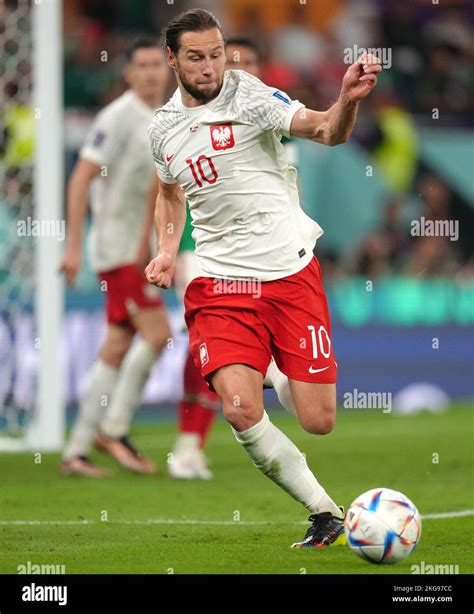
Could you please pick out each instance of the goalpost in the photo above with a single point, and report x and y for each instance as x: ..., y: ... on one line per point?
x: 31, y: 297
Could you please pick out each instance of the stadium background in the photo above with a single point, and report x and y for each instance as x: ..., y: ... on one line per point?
x: 402, y: 306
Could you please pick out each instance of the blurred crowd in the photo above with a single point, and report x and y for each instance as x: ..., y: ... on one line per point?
x: 305, y: 46
x: 410, y: 248
x: 303, y: 43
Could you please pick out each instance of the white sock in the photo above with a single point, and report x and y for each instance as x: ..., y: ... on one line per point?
x: 281, y: 384
x: 133, y: 376
x: 97, y: 394
x: 278, y: 458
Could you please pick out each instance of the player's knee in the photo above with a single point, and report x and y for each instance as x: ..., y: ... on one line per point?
x: 326, y: 424
x: 319, y: 426
x: 159, y: 342
x: 238, y: 396
x: 113, y: 354
x: 321, y: 422
x: 158, y: 339
x: 241, y: 415
x: 112, y: 359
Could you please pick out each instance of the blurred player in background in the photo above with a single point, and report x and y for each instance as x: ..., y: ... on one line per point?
x: 198, y: 405
x: 197, y: 409
x: 218, y: 140
x: 243, y: 54
x: 115, y: 165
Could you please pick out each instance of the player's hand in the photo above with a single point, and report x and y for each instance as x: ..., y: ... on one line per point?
x: 160, y: 271
x: 71, y: 264
x: 361, y: 77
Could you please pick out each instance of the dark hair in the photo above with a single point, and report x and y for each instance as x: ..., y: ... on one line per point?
x: 195, y: 20
x: 243, y: 41
x: 144, y: 42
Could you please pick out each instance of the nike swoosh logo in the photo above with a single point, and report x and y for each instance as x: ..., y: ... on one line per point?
x: 311, y: 370
x: 169, y: 158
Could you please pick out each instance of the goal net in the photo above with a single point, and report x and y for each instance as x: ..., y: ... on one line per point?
x: 31, y: 226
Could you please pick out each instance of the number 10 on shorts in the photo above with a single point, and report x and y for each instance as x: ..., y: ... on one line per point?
x: 324, y: 344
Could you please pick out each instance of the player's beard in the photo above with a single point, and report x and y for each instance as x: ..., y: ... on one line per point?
x: 198, y: 94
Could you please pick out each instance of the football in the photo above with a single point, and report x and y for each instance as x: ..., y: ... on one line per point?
x: 382, y: 526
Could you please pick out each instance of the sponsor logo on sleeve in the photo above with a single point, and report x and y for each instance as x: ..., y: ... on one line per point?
x: 282, y: 97
x: 99, y: 139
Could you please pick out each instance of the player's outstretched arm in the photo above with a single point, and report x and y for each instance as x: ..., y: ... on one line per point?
x: 77, y: 205
x: 170, y: 217
x: 335, y: 125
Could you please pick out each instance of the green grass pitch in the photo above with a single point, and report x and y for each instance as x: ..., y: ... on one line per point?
x: 366, y: 450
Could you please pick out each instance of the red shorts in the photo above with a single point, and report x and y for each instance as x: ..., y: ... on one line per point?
x: 127, y: 291
x: 236, y: 322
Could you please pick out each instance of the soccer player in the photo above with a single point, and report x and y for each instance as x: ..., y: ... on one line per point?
x: 218, y: 141
x: 115, y: 164
x: 197, y: 409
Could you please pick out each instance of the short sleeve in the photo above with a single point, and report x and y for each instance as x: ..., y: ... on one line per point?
x: 157, y: 151
x: 106, y: 138
x: 267, y: 107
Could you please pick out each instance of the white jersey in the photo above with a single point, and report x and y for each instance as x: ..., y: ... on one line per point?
x: 118, y: 143
x: 242, y: 193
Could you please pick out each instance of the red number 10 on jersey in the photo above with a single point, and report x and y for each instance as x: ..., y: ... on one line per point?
x: 203, y: 175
